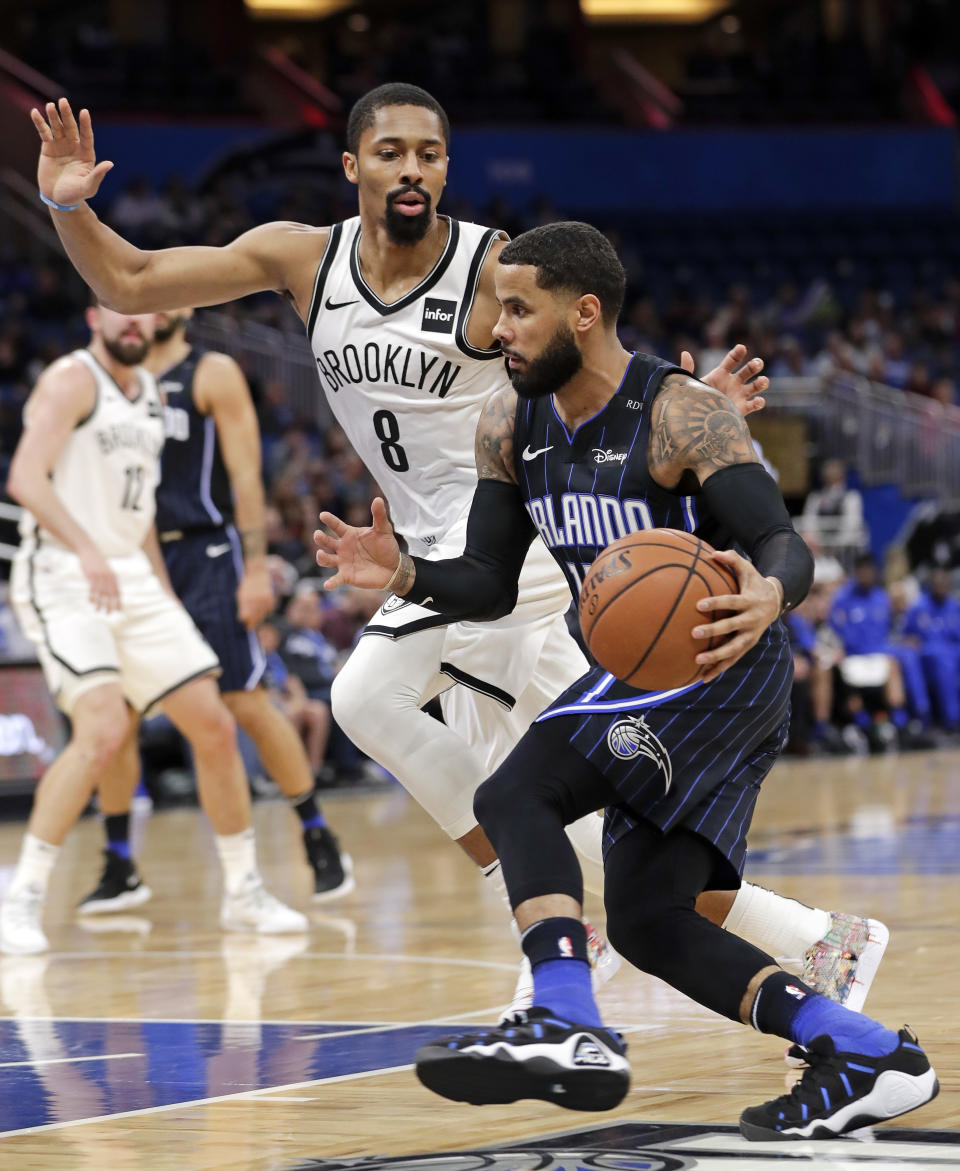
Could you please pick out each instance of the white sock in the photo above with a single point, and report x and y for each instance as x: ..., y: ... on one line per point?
x: 782, y: 927
x: 238, y: 857
x: 34, y: 866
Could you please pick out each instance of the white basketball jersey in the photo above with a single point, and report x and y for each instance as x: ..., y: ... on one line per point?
x: 107, y: 474
x: 403, y: 381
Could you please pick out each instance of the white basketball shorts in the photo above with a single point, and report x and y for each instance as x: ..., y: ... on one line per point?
x: 150, y: 645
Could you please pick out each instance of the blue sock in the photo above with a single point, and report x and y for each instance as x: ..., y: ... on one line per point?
x: 862, y: 720
x: 899, y: 717
x: 118, y: 833
x: 309, y: 811
x: 557, y: 950
x: 851, y: 1031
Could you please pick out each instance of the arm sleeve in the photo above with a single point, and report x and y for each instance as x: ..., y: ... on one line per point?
x: 747, y: 502
x: 482, y: 583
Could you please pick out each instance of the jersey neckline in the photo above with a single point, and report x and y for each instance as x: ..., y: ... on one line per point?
x: 141, y: 382
x: 586, y: 422
x: 385, y: 308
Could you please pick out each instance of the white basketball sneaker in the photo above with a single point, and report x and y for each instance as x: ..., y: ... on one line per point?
x: 20, y: 929
x: 604, y: 965
x: 254, y: 909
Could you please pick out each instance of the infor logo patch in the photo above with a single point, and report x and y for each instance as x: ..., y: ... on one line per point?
x: 438, y: 316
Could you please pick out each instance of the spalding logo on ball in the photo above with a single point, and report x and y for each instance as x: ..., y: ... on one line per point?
x: 638, y: 606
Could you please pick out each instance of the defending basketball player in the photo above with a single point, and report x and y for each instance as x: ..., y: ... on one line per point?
x: 400, y: 307
x: 211, y: 528
x: 89, y: 588
x: 677, y: 816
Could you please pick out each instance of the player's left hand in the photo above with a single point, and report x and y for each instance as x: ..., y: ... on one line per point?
x: 753, y: 609
x: 255, y: 598
x: 741, y: 381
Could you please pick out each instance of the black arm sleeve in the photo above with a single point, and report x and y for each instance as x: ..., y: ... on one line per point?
x: 747, y: 502
x: 481, y: 584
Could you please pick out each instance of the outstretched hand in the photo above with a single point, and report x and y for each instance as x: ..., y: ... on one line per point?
x: 751, y: 611
x: 365, y: 557
x: 68, y: 171
x: 740, y: 381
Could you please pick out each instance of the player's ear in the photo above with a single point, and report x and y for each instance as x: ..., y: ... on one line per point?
x: 92, y: 317
x: 350, y: 166
x: 588, y: 312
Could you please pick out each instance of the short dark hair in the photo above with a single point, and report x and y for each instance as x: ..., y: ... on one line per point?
x: 394, y: 93
x: 574, y: 256
x: 864, y: 561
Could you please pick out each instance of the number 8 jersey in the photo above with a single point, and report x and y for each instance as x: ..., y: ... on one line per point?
x: 107, y: 473
x: 389, y: 370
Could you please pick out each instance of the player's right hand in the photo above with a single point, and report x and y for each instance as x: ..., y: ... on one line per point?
x: 104, y: 587
x: 366, y: 557
x: 68, y: 171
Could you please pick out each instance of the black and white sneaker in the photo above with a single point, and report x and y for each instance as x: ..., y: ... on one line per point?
x: 332, y: 871
x: 538, y: 1056
x: 845, y: 1091
x: 120, y: 888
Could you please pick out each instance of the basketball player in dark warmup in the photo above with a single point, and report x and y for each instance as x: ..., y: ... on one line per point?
x: 667, y: 837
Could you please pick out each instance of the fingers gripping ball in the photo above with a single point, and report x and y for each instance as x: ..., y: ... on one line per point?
x: 638, y: 606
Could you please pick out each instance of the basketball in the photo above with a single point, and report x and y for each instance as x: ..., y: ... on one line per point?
x: 638, y: 606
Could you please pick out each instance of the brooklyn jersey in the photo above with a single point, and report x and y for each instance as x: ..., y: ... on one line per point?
x: 390, y: 370
x: 194, y: 491
x: 107, y: 473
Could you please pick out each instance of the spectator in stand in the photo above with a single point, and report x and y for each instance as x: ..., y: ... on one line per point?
x: 832, y: 518
x: 932, y: 626
x: 311, y: 717
x: 876, y: 673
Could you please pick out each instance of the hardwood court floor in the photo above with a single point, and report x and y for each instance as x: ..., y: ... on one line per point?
x: 155, y: 1041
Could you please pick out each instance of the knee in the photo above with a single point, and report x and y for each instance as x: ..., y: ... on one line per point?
x: 101, y: 740
x: 639, y: 929
x: 488, y: 803
x: 215, y: 734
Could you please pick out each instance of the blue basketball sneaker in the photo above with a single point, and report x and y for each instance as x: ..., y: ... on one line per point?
x: 840, y: 1092
x: 536, y: 1056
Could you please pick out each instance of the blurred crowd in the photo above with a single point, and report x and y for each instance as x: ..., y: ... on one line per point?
x: 811, y: 316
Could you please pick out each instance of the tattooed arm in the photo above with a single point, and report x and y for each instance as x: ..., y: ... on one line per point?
x: 493, y: 447
x: 698, y: 438
x: 482, y: 583
x: 695, y: 430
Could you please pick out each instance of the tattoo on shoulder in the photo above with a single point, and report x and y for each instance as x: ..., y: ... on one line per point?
x: 697, y: 428
x: 494, y: 444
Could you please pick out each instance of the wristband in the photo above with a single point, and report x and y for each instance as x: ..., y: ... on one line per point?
x: 395, y: 574
x: 59, y: 206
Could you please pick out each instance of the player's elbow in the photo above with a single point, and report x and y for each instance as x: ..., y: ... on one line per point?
x: 498, y: 600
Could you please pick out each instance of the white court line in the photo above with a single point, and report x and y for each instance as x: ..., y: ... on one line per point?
x: 69, y: 1060
x: 244, y: 1094
x: 447, y: 961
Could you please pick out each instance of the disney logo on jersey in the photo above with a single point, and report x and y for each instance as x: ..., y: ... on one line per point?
x: 608, y: 457
x: 438, y: 315
x: 630, y: 737
x: 390, y: 364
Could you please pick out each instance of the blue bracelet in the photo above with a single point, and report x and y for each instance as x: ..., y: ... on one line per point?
x: 59, y: 206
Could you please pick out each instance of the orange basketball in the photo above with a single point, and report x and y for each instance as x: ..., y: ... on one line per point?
x: 638, y: 606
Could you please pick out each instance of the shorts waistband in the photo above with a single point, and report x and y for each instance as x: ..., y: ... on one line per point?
x: 179, y: 534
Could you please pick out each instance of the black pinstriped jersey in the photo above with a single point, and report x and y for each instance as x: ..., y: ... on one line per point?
x: 194, y: 489
x: 584, y: 490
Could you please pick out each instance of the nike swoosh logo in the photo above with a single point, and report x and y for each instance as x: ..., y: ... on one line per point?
x: 328, y: 304
x: 528, y: 454
x: 217, y: 550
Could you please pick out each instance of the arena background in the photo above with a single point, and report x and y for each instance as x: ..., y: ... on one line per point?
x: 777, y: 172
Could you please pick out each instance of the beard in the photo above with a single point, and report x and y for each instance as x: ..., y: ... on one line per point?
x: 552, y: 369
x: 403, y: 229
x: 128, y: 353
x: 163, y: 333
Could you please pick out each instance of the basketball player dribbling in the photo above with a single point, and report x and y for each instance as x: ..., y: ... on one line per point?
x: 686, y: 462
x: 399, y: 305
x: 89, y: 588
